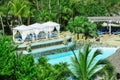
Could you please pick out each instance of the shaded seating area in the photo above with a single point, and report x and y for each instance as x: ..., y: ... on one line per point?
x: 109, y: 28
x: 35, y: 31
x: 41, y: 35
x: 116, y: 30
x: 108, y: 21
x: 99, y: 32
x: 20, y: 33
x: 103, y: 30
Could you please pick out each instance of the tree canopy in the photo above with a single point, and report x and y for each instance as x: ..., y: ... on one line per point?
x: 82, y: 25
x: 26, y: 12
x: 16, y: 66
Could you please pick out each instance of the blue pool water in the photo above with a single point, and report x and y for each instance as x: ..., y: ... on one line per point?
x: 66, y: 56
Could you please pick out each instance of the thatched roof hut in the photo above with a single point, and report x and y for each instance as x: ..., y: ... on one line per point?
x: 115, y: 60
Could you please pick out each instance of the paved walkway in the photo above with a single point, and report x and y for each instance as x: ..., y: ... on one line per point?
x: 112, y: 40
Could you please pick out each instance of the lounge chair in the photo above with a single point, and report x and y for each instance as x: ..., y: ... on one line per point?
x: 99, y: 32
x: 115, y: 32
x: 104, y: 30
x: 18, y: 38
x: 54, y: 34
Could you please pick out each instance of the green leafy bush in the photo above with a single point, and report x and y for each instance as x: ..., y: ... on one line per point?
x: 82, y: 25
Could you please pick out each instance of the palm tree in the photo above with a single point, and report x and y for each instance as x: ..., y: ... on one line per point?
x: 108, y: 71
x: 46, y: 71
x: 85, y: 66
x: 106, y: 76
x: 111, y: 6
x: 3, y: 13
x: 3, y: 30
x: 62, y: 71
x: 19, y: 8
x: 58, y: 11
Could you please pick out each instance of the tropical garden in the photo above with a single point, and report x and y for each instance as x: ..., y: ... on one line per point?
x: 14, y: 66
x: 72, y: 15
x: 17, y: 12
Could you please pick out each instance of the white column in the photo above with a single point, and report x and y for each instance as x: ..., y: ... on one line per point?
x: 50, y: 34
x: 46, y: 34
x: 13, y: 36
x: 109, y: 27
x: 33, y: 37
x: 58, y: 32
x: 14, y: 32
x: 36, y: 36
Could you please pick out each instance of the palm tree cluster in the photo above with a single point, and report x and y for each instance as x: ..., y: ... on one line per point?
x: 16, y: 12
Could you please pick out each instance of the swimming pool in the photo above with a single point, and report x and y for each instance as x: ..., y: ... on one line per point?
x: 66, y: 56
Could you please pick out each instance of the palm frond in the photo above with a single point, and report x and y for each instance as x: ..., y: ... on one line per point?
x: 96, y: 53
x: 86, y: 66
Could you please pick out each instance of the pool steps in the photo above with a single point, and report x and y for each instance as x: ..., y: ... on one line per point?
x: 40, y: 48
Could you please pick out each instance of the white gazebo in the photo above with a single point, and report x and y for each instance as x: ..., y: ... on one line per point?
x: 23, y: 30
x: 35, y: 29
x: 50, y: 26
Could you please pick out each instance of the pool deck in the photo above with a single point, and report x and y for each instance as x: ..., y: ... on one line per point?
x: 43, y: 42
x: 113, y: 40
x: 40, y: 50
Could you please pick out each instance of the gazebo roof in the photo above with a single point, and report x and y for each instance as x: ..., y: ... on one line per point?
x: 36, y: 28
x: 103, y: 19
x: 35, y: 25
x: 22, y: 28
x: 49, y: 23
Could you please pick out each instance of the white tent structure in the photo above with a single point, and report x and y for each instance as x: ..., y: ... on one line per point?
x: 50, y: 27
x: 23, y: 30
x: 36, y: 28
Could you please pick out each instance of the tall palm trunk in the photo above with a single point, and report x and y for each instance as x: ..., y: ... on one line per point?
x: 19, y: 20
x: 3, y: 30
x: 37, y: 5
x: 58, y: 12
x: 42, y: 8
x: 50, y: 6
x: 10, y: 24
x: 49, y: 9
x: 28, y: 20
